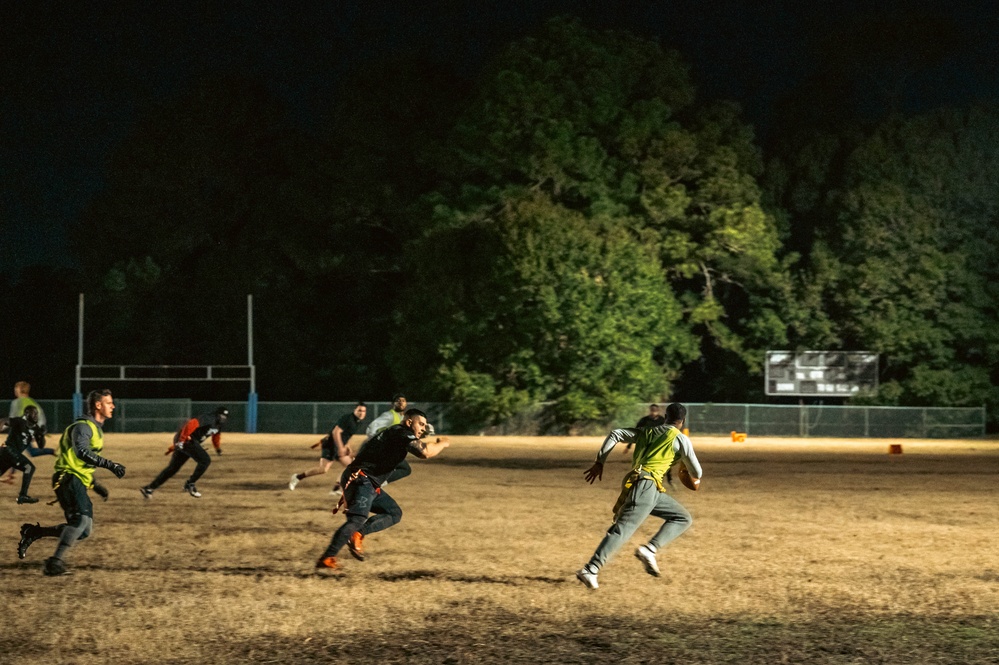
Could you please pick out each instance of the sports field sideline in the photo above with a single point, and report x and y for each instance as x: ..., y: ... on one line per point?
x: 802, y: 551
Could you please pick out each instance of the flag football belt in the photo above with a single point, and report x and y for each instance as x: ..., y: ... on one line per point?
x: 354, y: 476
x: 629, y: 481
x: 56, y: 483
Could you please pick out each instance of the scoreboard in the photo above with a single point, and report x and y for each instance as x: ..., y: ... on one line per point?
x: 821, y: 373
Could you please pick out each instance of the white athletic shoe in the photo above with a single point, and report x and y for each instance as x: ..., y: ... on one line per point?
x: 293, y: 482
x: 192, y: 490
x: 586, y: 577
x: 648, y: 559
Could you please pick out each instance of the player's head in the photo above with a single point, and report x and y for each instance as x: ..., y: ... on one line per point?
x: 222, y: 413
x: 360, y: 410
x: 31, y: 414
x: 653, y: 409
x: 99, y: 402
x: 22, y: 389
x: 676, y: 413
x: 416, y: 420
x: 399, y: 402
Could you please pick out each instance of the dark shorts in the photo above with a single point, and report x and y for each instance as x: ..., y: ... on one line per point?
x: 10, y: 460
x: 329, y: 448
x: 72, y: 495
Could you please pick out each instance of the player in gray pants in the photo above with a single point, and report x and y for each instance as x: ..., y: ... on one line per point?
x: 643, y: 493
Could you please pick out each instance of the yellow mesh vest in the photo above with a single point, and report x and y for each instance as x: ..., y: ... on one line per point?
x: 653, y: 457
x: 68, y: 462
x: 23, y: 403
x: 654, y: 451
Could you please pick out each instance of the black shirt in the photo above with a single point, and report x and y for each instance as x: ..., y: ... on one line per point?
x: 384, y: 451
x: 651, y: 421
x: 348, y: 424
x: 20, y: 436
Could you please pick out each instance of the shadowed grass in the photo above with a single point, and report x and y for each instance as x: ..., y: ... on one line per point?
x: 801, y: 552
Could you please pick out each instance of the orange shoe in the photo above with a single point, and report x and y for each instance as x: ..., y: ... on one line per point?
x: 356, y: 546
x: 328, y: 563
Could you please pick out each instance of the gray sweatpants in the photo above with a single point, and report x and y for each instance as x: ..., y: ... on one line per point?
x: 644, y: 499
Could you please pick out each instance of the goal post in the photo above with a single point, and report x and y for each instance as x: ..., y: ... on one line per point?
x: 171, y: 373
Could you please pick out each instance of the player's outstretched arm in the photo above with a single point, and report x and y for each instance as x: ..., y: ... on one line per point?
x: 434, y: 449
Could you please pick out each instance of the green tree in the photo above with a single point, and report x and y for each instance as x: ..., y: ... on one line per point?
x: 580, y: 149
x: 908, y: 268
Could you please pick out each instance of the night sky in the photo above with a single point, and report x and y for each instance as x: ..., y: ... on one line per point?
x: 74, y: 79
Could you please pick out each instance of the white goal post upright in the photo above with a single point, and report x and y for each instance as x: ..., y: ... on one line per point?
x: 160, y: 373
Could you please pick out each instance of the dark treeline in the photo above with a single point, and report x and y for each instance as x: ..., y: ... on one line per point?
x: 574, y: 226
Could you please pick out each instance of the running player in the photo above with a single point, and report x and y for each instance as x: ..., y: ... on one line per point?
x: 187, y: 445
x: 22, y: 400
x: 369, y: 508
x: 334, y: 445
x: 643, y: 492
x: 79, y: 455
x: 22, y: 430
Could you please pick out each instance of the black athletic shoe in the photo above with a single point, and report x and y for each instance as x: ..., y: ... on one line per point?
x: 54, y: 566
x: 27, y: 537
x: 24, y: 498
x: 192, y: 490
x: 147, y: 493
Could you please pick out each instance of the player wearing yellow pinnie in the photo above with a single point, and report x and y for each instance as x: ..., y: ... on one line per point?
x: 643, y: 493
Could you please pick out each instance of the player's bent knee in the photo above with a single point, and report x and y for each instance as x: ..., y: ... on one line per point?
x: 88, y: 527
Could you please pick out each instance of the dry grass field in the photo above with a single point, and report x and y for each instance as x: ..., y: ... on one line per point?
x: 820, y: 551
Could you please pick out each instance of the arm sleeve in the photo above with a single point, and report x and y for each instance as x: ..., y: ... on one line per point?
x: 188, y: 430
x: 81, y: 446
x: 614, y: 438
x: 13, y: 408
x: 686, y: 452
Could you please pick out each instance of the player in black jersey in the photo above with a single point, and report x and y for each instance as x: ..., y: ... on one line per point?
x: 334, y: 445
x: 23, y: 430
x: 369, y: 508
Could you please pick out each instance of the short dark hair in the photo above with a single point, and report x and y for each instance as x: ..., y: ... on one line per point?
x: 361, y: 404
x: 413, y: 413
x: 397, y: 396
x: 95, y: 396
x: 654, y: 406
x: 676, y: 412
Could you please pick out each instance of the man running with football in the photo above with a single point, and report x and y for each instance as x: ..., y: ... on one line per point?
x: 643, y: 493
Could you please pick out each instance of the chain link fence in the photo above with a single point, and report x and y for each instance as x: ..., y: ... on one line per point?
x: 168, y: 415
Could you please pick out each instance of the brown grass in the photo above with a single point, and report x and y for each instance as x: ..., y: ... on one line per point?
x: 816, y: 551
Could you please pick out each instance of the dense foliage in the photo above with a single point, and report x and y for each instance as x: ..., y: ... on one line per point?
x: 574, y: 227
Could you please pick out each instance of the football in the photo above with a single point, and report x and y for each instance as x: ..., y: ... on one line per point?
x: 688, y: 481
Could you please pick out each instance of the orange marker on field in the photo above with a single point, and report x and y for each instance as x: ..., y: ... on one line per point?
x: 738, y: 437
x: 895, y: 449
